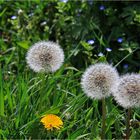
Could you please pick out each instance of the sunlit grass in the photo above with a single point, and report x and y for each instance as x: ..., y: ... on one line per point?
x: 88, y: 35
x: 28, y: 96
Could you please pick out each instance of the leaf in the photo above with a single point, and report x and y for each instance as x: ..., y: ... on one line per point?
x: 1, y: 95
x: 23, y: 44
x: 89, y: 113
x: 86, y: 46
x: 71, y: 68
x: 4, y: 10
x: 77, y: 133
x: 102, y: 59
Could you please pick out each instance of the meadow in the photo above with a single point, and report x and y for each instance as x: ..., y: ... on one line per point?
x: 89, y: 32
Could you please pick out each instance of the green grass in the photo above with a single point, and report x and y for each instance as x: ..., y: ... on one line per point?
x: 28, y: 96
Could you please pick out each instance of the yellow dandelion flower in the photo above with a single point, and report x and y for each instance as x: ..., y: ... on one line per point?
x: 51, y: 121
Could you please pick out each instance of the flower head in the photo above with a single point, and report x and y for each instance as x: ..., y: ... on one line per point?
x: 65, y: 1
x: 102, y: 7
x: 13, y: 17
x: 128, y: 93
x: 51, y: 121
x: 120, y: 40
x: 91, y: 42
x: 99, y: 80
x: 45, y: 57
x: 108, y: 49
x: 90, y: 2
x: 100, y: 54
x: 125, y: 66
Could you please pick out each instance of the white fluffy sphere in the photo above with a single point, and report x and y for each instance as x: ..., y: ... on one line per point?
x: 128, y: 93
x: 45, y: 56
x: 99, y: 80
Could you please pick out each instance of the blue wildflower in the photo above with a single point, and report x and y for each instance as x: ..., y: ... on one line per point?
x: 102, y: 7
x: 13, y: 17
x: 31, y: 14
x: 91, y: 42
x: 43, y: 23
x: 120, y: 40
x: 108, y: 49
x: 100, y: 54
x: 65, y: 1
x: 90, y: 2
x: 125, y: 66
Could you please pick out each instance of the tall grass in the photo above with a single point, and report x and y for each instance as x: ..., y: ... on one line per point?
x: 28, y: 96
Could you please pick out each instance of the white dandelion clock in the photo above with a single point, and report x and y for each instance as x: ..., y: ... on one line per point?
x: 100, y: 80
x: 128, y: 93
x: 45, y: 56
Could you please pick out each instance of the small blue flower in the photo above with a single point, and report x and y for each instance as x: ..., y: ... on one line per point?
x: 31, y: 14
x: 100, y: 54
x: 43, y: 23
x: 108, y: 49
x: 125, y: 66
x: 90, y: 2
x: 13, y: 17
x: 102, y: 7
x: 120, y: 40
x: 78, y: 14
x: 65, y: 1
x: 91, y: 42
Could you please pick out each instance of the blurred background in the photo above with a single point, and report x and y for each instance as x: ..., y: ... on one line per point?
x: 89, y: 32
x: 86, y: 29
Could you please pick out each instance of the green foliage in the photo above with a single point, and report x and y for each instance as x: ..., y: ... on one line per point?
x: 26, y: 96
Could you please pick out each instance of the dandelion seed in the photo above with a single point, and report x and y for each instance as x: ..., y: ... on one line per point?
x: 45, y: 57
x: 51, y: 121
x: 128, y: 93
x: 99, y: 80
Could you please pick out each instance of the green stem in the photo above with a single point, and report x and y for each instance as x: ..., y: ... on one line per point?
x: 128, y: 116
x: 103, y: 118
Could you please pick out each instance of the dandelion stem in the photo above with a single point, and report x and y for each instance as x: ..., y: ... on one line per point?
x: 128, y: 116
x: 103, y: 118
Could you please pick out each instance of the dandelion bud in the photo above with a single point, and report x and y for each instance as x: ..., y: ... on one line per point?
x: 45, y: 57
x: 99, y: 80
x: 128, y: 93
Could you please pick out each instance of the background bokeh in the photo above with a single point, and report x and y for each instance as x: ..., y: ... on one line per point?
x: 89, y: 32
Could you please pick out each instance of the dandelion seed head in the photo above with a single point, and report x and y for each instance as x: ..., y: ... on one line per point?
x: 45, y: 57
x: 99, y: 80
x: 128, y: 93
